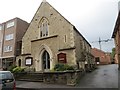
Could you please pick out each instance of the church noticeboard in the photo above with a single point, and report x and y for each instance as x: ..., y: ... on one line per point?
x: 62, y: 58
x: 28, y: 61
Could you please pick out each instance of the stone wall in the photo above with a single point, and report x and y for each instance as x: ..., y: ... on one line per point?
x: 57, y: 77
x: 65, y: 77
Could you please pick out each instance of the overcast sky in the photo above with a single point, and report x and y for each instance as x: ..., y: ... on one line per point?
x: 93, y: 18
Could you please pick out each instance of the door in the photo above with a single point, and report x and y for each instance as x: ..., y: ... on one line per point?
x: 46, y: 60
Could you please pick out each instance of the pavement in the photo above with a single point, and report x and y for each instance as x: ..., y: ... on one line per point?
x: 106, y: 76
x: 38, y: 85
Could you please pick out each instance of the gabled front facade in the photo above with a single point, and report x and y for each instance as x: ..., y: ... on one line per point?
x: 51, y: 39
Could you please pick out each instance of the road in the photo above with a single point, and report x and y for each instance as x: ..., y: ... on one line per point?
x: 106, y: 76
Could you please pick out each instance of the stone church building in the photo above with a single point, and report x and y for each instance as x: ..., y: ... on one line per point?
x: 51, y: 39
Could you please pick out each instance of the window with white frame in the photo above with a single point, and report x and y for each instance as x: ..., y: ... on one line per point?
x: 1, y: 27
x: 7, y: 48
x: 9, y: 37
x: 10, y: 24
x: 44, y: 28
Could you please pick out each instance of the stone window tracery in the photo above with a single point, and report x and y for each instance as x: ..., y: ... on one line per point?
x: 44, y: 28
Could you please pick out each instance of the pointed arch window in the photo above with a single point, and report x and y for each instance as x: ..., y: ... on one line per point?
x: 44, y: 28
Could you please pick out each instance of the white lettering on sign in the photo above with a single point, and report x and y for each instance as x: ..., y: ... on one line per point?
x: 61, y: 59
x: 28, y: 61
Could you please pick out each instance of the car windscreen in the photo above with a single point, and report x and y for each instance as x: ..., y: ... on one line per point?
x: 5, y: 75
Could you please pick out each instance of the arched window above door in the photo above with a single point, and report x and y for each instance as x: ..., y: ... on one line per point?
x: 44, y: 27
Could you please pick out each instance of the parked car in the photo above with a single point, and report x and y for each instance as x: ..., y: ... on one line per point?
x: 7, y: 81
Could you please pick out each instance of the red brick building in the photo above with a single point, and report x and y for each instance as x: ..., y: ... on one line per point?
x: 116, y: 36
x: 116, y: 59
x: 11, y: 33
x: 101, y: 57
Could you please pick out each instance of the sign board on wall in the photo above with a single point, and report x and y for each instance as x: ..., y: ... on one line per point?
x: 86, y: 62
x: 62, y: 58
x: 98, y: 62
x: 28, y: 61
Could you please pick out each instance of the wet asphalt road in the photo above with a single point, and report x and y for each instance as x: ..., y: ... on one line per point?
x: 106, y: 76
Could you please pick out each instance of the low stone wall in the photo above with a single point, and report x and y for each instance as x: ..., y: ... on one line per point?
x: 64, y: 77
x: 57, y: 77
x: 54, y: 77
x: 29, y: 76
x: 18, y: 75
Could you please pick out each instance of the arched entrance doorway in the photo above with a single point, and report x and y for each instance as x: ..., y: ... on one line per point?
x: 19, y: 62
x: 46, y: 60
x: 43, y: 59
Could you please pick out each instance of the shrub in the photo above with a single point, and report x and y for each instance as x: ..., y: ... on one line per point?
x: 67, y: 67
x: 18, y: 70
x: 62, y: 67
x: 59, y: 67
x: 11, y: 68
x: 29, y: 69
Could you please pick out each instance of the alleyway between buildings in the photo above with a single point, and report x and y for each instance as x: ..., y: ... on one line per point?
x: 106, y: 76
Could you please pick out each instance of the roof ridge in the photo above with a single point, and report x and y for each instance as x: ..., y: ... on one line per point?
x: 44, y: 1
